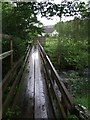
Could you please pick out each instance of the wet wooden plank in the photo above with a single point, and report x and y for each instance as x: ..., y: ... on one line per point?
x: 6, y: 54
x: 25, y: 96
x: 40, y: 106
x: 9, y: 76
x: 32, y: 98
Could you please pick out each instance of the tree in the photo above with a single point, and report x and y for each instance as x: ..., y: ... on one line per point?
x: 19, y: 18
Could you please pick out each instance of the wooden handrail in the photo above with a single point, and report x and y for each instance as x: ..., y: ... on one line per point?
x: 6, y: 37
x: 16, y: 81
x: 58, y: 79
x: 6, y: 79
x: 5, y: 54
x: 67, y: 99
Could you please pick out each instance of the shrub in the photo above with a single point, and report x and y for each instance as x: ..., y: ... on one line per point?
x: 73, y: 54
x: 19, y: 47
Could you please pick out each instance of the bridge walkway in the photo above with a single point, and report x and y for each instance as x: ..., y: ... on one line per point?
x: 32, y: 100
x: 33, y: 89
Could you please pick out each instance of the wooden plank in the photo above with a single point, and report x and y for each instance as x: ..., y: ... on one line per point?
x: 10, y: 95
x: 53, y: 93
x: 40, y: 104
x: 13, y: 68
x: 6, y: 37
x: 31, y: 97
x: 7, y: 78
x: 60, y: 84
x: 11, y: 46
x: 5, y: 54
x: 26, y: 91
x: 67, y: 99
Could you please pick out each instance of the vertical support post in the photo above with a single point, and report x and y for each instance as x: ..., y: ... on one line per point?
x: 11, y: 45
x: 64, y: 106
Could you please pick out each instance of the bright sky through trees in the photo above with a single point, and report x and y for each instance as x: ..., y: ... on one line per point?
x: 55, y: 19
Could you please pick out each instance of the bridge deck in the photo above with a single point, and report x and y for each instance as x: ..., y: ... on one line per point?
x: 32, y: 100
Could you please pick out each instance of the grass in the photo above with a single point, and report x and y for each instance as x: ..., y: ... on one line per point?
x: 78, y: 88
x: 82, y: 101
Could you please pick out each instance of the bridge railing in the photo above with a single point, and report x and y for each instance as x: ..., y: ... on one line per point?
x: 13, y: 83
x: 61, y: 100
x: 10, y: 52
x: 12, y: 79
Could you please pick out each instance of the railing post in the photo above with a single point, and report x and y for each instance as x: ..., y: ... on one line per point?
x: 53, y: 77
x: 64, y: 105
x: 11, y: 45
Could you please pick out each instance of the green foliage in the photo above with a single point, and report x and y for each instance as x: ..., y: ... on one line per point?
x: 73, y: 43
x: 21, y: 19
x: 75, y: 29
x: 51, y: 49
x: 74, y: 55
x: 77, y: 84
x: 19, y: 47
x: 11, y: 113
x: 22, y: 16
x: 5, y: 45
x: 82, y: 100
x: 78, y: 87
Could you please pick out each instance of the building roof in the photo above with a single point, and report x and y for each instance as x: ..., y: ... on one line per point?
x: 48, y: 29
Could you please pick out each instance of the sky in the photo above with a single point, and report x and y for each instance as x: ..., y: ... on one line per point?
x: 47, y: 22
x: 54, y: 20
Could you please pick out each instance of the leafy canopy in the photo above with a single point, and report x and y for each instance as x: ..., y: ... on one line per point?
x: 19, y: 18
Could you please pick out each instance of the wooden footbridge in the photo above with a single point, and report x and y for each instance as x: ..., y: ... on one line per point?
x: 36, y: 90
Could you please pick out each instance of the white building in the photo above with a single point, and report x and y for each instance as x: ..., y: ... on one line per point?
x: 54, y: 33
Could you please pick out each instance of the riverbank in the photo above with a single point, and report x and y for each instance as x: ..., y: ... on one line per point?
x: 77, y: 85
